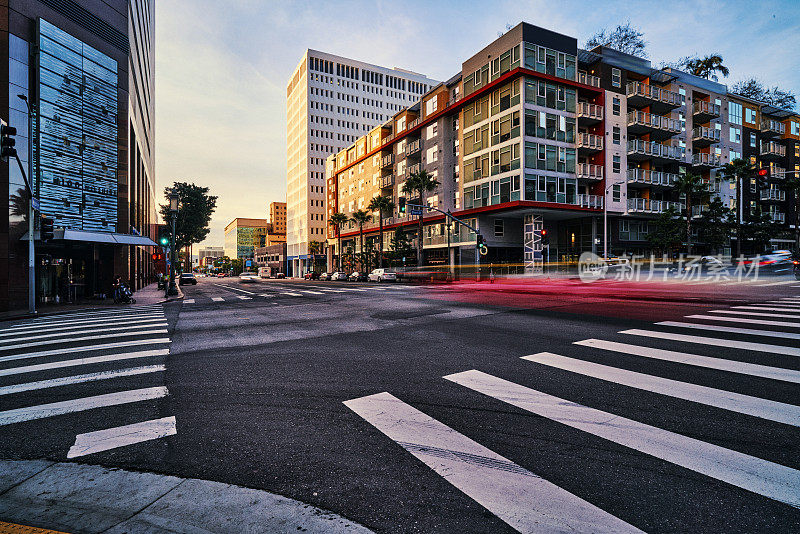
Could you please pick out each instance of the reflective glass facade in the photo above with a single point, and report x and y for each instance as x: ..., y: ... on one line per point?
x: 77, y: 132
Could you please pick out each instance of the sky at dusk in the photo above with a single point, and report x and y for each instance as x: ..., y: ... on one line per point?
x: 222, y: 67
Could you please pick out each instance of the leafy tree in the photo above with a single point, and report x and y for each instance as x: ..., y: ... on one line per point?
x: 624, y: 38
x: 194, y: 213
x: 400, y: 245
x: 237, y: 266
x: 337, y: 220
x: 361, y: 218
x: 693, y: 187
x: 383, y: 204
x: 420, y: 183
x: 667, y: 232
x: 715, y: 224
x: 759, y: 229
x: 755, y: 89
x: 316, y: 248
x: 706, y: 67
x: 740, y: 172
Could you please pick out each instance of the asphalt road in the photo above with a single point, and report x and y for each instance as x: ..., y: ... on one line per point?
x: 335, y: 394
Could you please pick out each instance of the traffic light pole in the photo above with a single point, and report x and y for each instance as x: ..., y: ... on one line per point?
x: 456, y: 220
x: 31, y: 252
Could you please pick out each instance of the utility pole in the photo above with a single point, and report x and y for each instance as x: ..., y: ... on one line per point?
x: 174, y: 200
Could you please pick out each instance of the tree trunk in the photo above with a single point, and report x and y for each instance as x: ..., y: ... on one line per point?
x: 361, y: 232
x: 419, y: 236
x: 688, y: 224
x: 339, y: 256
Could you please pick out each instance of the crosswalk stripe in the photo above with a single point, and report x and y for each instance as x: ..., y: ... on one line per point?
x: 795, y: 299
x: 755, y: 314
x: 83, y: 361
x: 89, y: 326
x: 732, y: 329
x: 83, y: 338
x: 353, y: 289
x: 522, y: 499
x: 242, y: 297
x: 753, y: 474
x: 30, y: 413
x: 767, y: 308
x: 79, y: 379
x: 266, y: 295
x: 95, y: 329
x: 290, y: 294
x: 333, y: 290
x: 726, y: 400
x: 720, y: 364
x: 234, y: 289
x: 85, y: 321
x: 745, y: 321
x: 99, y: 314
x: 121, y: 436
x: 310, y: 292
x: 719, y: 342
x: 188, y: 301
x: 783, y: 283
x: 217, y: 299
x: 85, y: 348
x: 785, y: 304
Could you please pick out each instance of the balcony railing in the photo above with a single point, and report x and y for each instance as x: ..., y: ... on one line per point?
x: 701, y: 133
x: 773, y: 194
x: 413, y: 169
x: 651, y: 148
x: 646, y: 205
x: 778, y: 217
x: 590, y: 201
x: 772, y: 126
x: 771, y: 148
x: 412, y: 147
x: 590, y: 171
x: 651, y: 92
x: 707, y: 109
x: 587, y: 110
x: 587, y: 79
x: 648, y: 177
x: 657, y: 122
x: 706, y: 160
x: 590, y: 141
x: 387, y: 160
x: 387, y: 181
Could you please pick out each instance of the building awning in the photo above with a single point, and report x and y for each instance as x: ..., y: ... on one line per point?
x: 106, y: 238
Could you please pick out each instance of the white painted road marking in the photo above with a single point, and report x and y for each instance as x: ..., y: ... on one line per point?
x: 242, y: 297
x: 289, y: 294
x: 188, y: 301
x: 726, y: 400
x: 79, y: 379
x: 745, y: 321
x: 83, y: 338
x: 121, y: 436
x: 42, y: 411
x: 756, y: 314
x: 310, y: 292
x: 266, y: 295
x: 768, y: 308
x: 234, y: 289
x: 85, y: 321
x: 129, y: 312
x: 753, y: 474
x: 522, y: 499
x: 732, y: 329
x: 98, y: 326
x: 752, y: 369
x: 94, y: 329
x: 217, y: 299
x: 39, y: 354
x: 743, y: 345
x: 83, y: 361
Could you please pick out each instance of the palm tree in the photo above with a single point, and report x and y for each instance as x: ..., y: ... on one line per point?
x: 693, y: 186
x: 361, y: 217
x: 337, y: 220
x: 315, y: 248
x: 382, y: 204
x: 741, y: 171
x: 420, y: 183
x: 707, y: 67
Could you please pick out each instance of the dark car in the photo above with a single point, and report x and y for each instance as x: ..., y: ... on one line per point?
x: 311, y: 276
x: 358, y: 277
x: 187, y: 278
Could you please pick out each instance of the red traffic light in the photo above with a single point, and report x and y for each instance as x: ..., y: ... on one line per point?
x: 158, y: 256
x: 544, y: 232
x: 763, y: 172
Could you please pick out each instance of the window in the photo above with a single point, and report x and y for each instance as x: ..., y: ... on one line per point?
x: 750, y: 115
x: 616, y: 135
x: 616, y: 164
x: 616, y: 193
x: 499, y: 227
x: 753, y: 140
x: 616, y: 77
x: 735, y: 155
x: 615, y: 106
x: 794, y: 128
x: 734, y: 113
x: 736, y: 134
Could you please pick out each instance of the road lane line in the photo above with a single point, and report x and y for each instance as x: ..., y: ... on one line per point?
x: 242, y: 297
x: 42, y: 411
x: 90, y: 326
x: 310, y: 292
x: 720, y: 364
x: 83, y: 338
x: 75, y: 362
x: 290, y: 294
x: 767, y: 308
x: 783, y: 283
x: 745, y: 321
x: 753, y: 474
x: 79, y: 379
x: 85, y: 348
x: 188, y: 301
x: 718, y: 398
x: 96, y: 329
x: 525, y: 501
x: 756, y: 314
x: 121, y: 436
x: 234, y: 289
x: 732, y: 329
x: 218, y: 299
x: 333, y: 290
x: 719, y: 342
x: 266, y: 295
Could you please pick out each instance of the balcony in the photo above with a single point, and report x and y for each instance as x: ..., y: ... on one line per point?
x: 697, y: 211
x: 703, y: 136
x: 387, y: 160
x: 777, y: 217
x: 412, y: 169
x: 772, y: 127
x: 589, y: 142
x: 660, y: 100
x: 706, y: 160
x: 639, y: 150
x: 587, y: 79
x: 641, y: 122
x: 590, y: 201
x: 771, y: 149
x: 705, y: 111
x: 412, y: 148
x: 387, y: 181
x: 645, y: 205
x: 648, y: 178
x: 774, y: 195
x: 589, y: 171
x: 589, y: 113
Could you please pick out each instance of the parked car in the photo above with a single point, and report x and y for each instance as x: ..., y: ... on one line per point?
x: 187, y: 278
x: 382, y: 275
x: 325, y: 276
x: 311, y: 276
x: 339, y: 275
x: 358, y: 277
x: 280, y: 275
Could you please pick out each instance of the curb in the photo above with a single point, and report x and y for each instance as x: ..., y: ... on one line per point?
x: 74, y: 498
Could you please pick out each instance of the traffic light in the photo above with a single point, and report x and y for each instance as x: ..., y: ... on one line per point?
x: 158, y: 256
x: 401, y: 205
x: 7, y: 141
x: 763, y: 172
x: 46, y: 228
x: 545, y: 237
x: 482, y: 248
x: 163, y: 235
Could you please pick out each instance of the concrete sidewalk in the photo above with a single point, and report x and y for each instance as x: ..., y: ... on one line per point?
x: 77, y: 498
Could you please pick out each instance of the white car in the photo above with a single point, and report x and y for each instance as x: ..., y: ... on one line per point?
x: 339, y: 276
x: 382, y: 275
x: 248, y: 277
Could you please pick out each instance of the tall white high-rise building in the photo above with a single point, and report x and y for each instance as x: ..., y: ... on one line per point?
x: 330, y: 102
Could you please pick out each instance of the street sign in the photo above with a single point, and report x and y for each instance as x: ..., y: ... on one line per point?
x: 249, y: 263
x: 35, y: 204
x: 413, y: 211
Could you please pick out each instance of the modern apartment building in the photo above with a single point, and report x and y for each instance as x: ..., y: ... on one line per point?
x: 331, y: 101
x: 277, y: 217
x: 85, y: 73
x: 242, y: 236
x: 207, y: 255
x: 534, y: 137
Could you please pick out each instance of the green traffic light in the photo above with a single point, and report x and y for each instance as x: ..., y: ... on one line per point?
x: 164, y: 241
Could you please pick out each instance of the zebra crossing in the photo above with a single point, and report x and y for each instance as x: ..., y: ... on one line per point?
x: 277, y: 294
x: 757, y: 348
x: 99, y: 369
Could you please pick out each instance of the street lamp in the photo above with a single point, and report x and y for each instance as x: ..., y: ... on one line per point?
x: 174, y: 204
x: 605, y: 218
x: 32, y: 184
